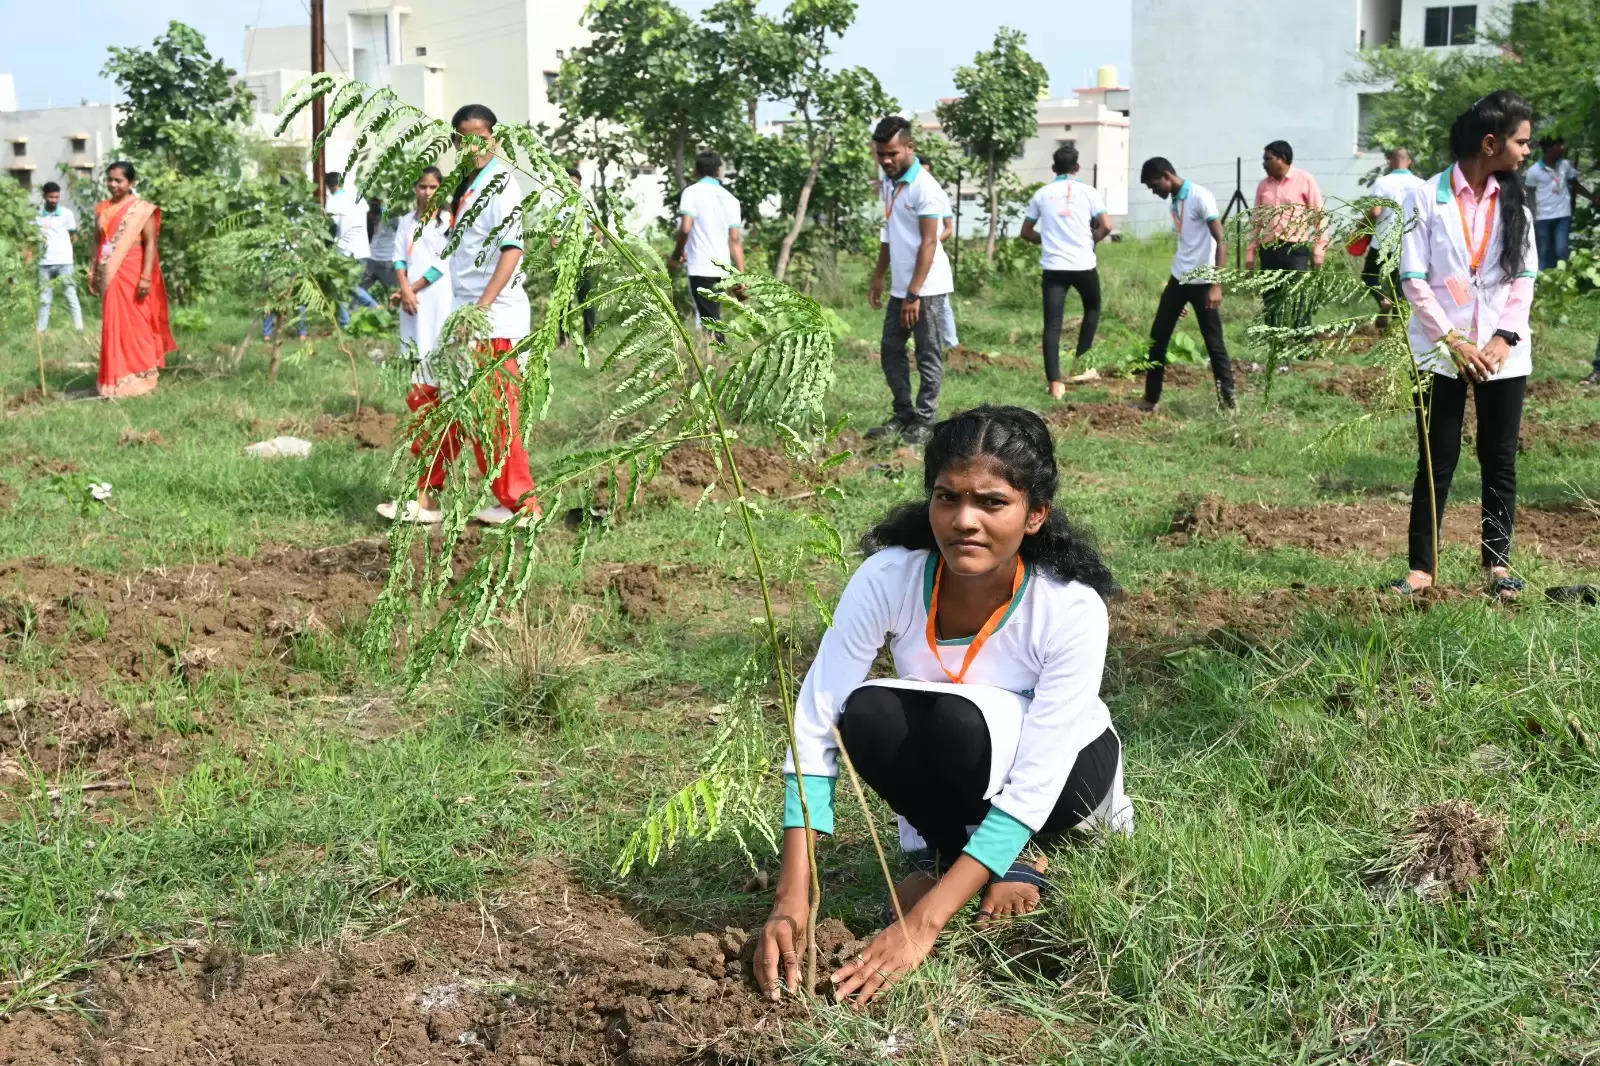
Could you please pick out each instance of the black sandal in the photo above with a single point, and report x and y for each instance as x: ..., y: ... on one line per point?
x: 1501, y: 585
x: 1022, y: 872
x: 1401, y: 587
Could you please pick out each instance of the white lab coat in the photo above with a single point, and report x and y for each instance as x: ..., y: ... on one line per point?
x: 420, y: 251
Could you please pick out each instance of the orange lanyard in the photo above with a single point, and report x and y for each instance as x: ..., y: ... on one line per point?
x: 983, y: 634
x: 888, y: 208
x: 1475, y: 255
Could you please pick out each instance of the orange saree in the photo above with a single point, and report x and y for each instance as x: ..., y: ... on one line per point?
x: 134, y: 334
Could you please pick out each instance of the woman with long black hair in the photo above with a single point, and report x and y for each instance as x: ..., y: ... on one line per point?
x: 1467, y: 267
x: 991, y: 732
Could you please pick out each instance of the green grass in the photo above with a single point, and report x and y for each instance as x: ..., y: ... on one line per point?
x: 1239, y: 924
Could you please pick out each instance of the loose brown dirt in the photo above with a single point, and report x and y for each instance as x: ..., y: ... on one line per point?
x: 34, y: 466
x: 233, y: 617
x: 1558, y: 439
x: 370, y: 429
x: 1446, y: 849
x: 1116, y: 419
x: 547, y: 975
x: 964, y: 360
x: 1567, y: 534
x: 57, y: 731
x: 690, y: 468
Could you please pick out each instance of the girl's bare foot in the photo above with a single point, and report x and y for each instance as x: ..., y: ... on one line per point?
x: 911, y: 890
x: 1010, y: 899
x: 1417, y: 580
x: 1058, y: 389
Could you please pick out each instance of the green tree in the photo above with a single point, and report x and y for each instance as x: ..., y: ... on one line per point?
x: 652, y: 70
x: 183, y: 107
x: 758, y: 55
x: 1416, y: 95
x: 997, y: 111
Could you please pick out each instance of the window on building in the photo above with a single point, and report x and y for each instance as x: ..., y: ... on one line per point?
x: 79, y: 144
x: 550, y: 79
x: 23, y: 178
x: 1066, y: 142
x: 19, y: 149
x: 84, y: 172
x: 422, y: 50
x: 1446, y: 26
x: 1365, y: 106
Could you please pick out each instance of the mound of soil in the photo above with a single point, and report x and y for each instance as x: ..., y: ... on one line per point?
x: 548, y: 975
x: 230, y: 616
x: 1105, y: 419
x: 1368, y: 386
x: 1558, y: 440
x: 59, y: 730
x: 964, y: 360
x: 1568, y: 534
x: 690, y: 468
x: 369, y: 429
x: 39, y: 466
x: 1446, y: 849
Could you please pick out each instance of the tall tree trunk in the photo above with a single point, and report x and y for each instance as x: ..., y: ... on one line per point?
x: 801, y: 206
x: 994, y: 211
x: 677, y: 160
x: 750, y: 105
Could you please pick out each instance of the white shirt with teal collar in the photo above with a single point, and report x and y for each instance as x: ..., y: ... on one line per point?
x: 57, y: 227
x: 707, y: 253
x: 1395, y: 185
x: 1036, y: 682
x: 1064, y: 212
x: 1193, y: 210
x: 490, y: 220
x: 907, y: 200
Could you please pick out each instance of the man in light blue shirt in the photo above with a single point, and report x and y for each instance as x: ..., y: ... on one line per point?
x: 57, y: 224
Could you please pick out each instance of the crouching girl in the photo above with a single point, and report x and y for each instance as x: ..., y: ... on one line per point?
x: 992, y: 732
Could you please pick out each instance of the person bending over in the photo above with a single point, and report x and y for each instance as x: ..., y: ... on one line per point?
x: 991, y: 734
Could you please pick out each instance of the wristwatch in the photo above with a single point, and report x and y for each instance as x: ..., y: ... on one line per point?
x: 1509, y: 337
x: 913, y: 295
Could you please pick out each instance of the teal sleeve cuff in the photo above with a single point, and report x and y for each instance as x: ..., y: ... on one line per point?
x: 399, y: 266
x: 511, y: 244
x: 1412, y: 275
x: 1102, y: 214
x: 1212, y: 218
x: 1528, y: 274
x: 431, y: 275
x: 998, y: 840
x: 819, y: 802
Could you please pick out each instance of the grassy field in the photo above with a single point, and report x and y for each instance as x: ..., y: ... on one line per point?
x: 1368, y: 832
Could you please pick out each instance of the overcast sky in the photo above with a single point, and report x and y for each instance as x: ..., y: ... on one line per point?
x: 912, y: 45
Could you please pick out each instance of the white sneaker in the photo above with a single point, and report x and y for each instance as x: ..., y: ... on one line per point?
x: 410, y: 512
x: 494, y: 516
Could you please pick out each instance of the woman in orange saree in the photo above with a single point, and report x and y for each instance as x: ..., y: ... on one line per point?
x: 134, y: 334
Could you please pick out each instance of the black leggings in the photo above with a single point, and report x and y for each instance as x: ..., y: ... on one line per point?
x: 1499, y: 426
x: 927, y: 755
x: 1056, y: 284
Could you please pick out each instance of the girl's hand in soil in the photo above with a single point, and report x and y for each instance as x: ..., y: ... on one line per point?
x: 782, y: 938
x: 891, y: 955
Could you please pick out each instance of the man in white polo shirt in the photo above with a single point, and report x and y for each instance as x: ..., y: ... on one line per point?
x: 348, y: 211
x: 709, y: 235
x: 1394, y: 184
x: 914, y: 209
x: 1066, y: 218
x: 1553, y: 180
x: 57, y: 224
x: 1200, y: 245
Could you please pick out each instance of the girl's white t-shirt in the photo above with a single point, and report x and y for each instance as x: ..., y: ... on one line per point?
x: 422, y: 250
x: 1036, y: 680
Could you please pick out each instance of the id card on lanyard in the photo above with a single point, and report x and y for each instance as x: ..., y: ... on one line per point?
x: 1461, y: 290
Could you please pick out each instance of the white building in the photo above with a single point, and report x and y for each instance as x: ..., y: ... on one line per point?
x: 35, y: 144
x: 1215, y: 83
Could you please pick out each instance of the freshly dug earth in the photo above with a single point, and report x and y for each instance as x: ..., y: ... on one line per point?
x: 1446, y: 849
x: 1078, y: 418
x: 1569, y: 535
x: 186, y: 621
x: 546, y: 975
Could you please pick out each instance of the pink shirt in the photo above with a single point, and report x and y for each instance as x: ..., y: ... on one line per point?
x: 1519, y: 303
x: 1280, y: 225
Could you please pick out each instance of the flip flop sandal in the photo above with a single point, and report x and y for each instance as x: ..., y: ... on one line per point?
x: 1501, y: 585
x: 1022, y: 872
x: 1400, y: 587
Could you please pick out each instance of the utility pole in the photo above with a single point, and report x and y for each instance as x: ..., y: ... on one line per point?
x: 318, y: 115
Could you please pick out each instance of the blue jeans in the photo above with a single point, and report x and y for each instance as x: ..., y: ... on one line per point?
x: 269, y: 323
x: 48, y: 276
x: 363, y: 297
x: 1553, y: 238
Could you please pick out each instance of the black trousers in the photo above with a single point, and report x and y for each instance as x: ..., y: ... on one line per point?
x: 1284, y: 308
x: 1173, y: 299
x: 1055, y: 286
x: 1499, y: 426
x: 710, y: 310
x: 927, y: 754
x: 585, y: 287
x: 1383, y: 287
